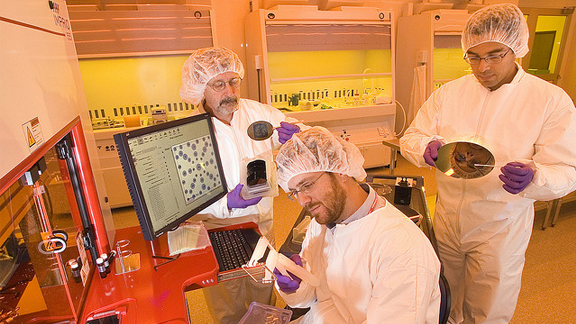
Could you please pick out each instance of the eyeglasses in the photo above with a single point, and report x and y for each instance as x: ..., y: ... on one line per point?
x: 492, y: 59
x: 305, y: 188
x: 221, y: 85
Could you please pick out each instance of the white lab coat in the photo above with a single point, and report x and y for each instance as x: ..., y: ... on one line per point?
x: 234, y: 145
x: 228, y: 300
x: 482, y: 230
x: 380, y: 268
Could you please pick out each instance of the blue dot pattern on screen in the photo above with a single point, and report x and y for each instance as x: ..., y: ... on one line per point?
x: 194, y: 165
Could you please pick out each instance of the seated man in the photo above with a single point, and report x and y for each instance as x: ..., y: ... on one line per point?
x: 374, y: 264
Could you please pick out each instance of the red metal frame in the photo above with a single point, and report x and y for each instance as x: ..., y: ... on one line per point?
x: 89, y: 188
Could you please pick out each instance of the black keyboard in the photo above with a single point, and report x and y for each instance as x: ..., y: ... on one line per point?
x: 233, y: 248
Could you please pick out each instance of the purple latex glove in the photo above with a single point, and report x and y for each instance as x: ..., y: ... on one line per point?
x: 235, y: 200
x: 286, y: 130
x: 431, y: 152
x: 289, y: 284
x: 516, y: 177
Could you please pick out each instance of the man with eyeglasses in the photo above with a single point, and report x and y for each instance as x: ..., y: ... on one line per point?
x: 211, y: 79
x: 483, y: 225
x: 374, y: 264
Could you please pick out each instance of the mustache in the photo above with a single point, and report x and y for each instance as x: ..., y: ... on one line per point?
x: 229, y: 100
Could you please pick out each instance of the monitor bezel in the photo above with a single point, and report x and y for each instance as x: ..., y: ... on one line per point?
x: 133, y: 182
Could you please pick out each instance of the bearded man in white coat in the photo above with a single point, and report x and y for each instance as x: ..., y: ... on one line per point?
x: 374, y: 264
x: 483, y: 225
x: 211, y: 79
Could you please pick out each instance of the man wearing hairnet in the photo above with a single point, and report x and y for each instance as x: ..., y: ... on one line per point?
x: 211, y: 80
x: 374, y: 264
x: 483, y: 225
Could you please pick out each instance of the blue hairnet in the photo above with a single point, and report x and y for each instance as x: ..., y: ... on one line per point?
x: 316, y: 149
x: 503, y: 23
x: 204, y: 64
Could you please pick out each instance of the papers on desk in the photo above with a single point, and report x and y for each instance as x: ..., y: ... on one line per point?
x: 188, y: 236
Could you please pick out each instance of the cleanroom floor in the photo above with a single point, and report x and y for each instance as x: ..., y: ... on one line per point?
x: 549, y: 278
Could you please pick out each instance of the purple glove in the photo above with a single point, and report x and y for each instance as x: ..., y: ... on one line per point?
x: 431, y: 152
x: 516, y: 177
x: 286, y: 130
x: 235, y: 200
x: 289, y: 284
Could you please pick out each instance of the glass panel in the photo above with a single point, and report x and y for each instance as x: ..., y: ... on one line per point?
x: 33, y: 277
x: 133, y: 87
x: 448, y: 59
x: 547, y: 40
x: 315, y: 67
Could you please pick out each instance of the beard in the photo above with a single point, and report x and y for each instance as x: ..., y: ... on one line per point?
x: 329, y: 208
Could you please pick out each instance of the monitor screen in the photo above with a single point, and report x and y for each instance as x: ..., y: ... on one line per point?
x: 172, y: 170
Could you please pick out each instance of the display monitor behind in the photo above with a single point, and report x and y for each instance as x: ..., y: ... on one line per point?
x: 173, y: 171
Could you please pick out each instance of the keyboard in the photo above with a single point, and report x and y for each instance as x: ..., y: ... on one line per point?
x: 233, y: 248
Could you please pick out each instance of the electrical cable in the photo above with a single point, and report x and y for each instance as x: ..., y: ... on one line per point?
x: 404, y: 118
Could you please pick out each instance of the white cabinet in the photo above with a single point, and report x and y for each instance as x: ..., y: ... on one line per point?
x: 431, y: 41
x: 114, y: 181
x: 327, y: 68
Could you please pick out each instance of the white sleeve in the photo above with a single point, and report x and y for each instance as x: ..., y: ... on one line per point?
x: 555, y: 156
x: 405, y: 282
x: 422, y: 131
x: 305, y: 295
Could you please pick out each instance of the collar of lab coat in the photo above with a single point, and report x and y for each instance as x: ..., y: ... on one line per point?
x: 365, y: 209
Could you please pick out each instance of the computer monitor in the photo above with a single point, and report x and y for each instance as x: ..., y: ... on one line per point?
x: 173, y: 171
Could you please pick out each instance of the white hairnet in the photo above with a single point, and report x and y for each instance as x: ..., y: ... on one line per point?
x: 204, y: 64
x: 316, y: 149
x: 503, y: 23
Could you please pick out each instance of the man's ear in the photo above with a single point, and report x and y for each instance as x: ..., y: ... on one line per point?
x: 343, y: 178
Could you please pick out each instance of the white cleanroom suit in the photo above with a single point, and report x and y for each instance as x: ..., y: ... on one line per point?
x: 379, y: 268
x: 231, y: 297
x: 482, y: 230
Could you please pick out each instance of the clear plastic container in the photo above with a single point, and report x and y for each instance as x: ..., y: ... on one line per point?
x: 265, y: 314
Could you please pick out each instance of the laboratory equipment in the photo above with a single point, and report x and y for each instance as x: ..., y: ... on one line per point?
x: 327, y: 68
x: 429, y: 55
x: 173, y: 171
x: 465, y: 160
x: 50, y: 212
x: 54, y: 222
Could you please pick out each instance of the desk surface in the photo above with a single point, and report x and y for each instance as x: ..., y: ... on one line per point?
x: 392, y: 143
x: 145, y: 295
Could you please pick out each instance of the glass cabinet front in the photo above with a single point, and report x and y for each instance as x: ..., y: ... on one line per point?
x: 449, y: 63
x: 329, y: 66
x: 40, y: 241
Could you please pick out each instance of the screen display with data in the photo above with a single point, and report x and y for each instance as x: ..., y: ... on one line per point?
x: 172, y: 170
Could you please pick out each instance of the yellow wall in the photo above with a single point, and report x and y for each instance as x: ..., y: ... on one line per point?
x: 117, y: 82
x: 330, y: 63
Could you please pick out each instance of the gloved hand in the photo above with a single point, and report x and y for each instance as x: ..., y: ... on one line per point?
x: 431, y: 152
x: 235, y: 199
x: 289, y: 284
x: 286, y: 130
x: 516, y: 177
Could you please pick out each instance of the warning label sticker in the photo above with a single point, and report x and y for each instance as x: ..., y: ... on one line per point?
x: 33, y: 133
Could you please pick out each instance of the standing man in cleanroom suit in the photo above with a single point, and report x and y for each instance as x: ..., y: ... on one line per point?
x: 374, y: 264
x: 483, y: 225
x: 211, y: 80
